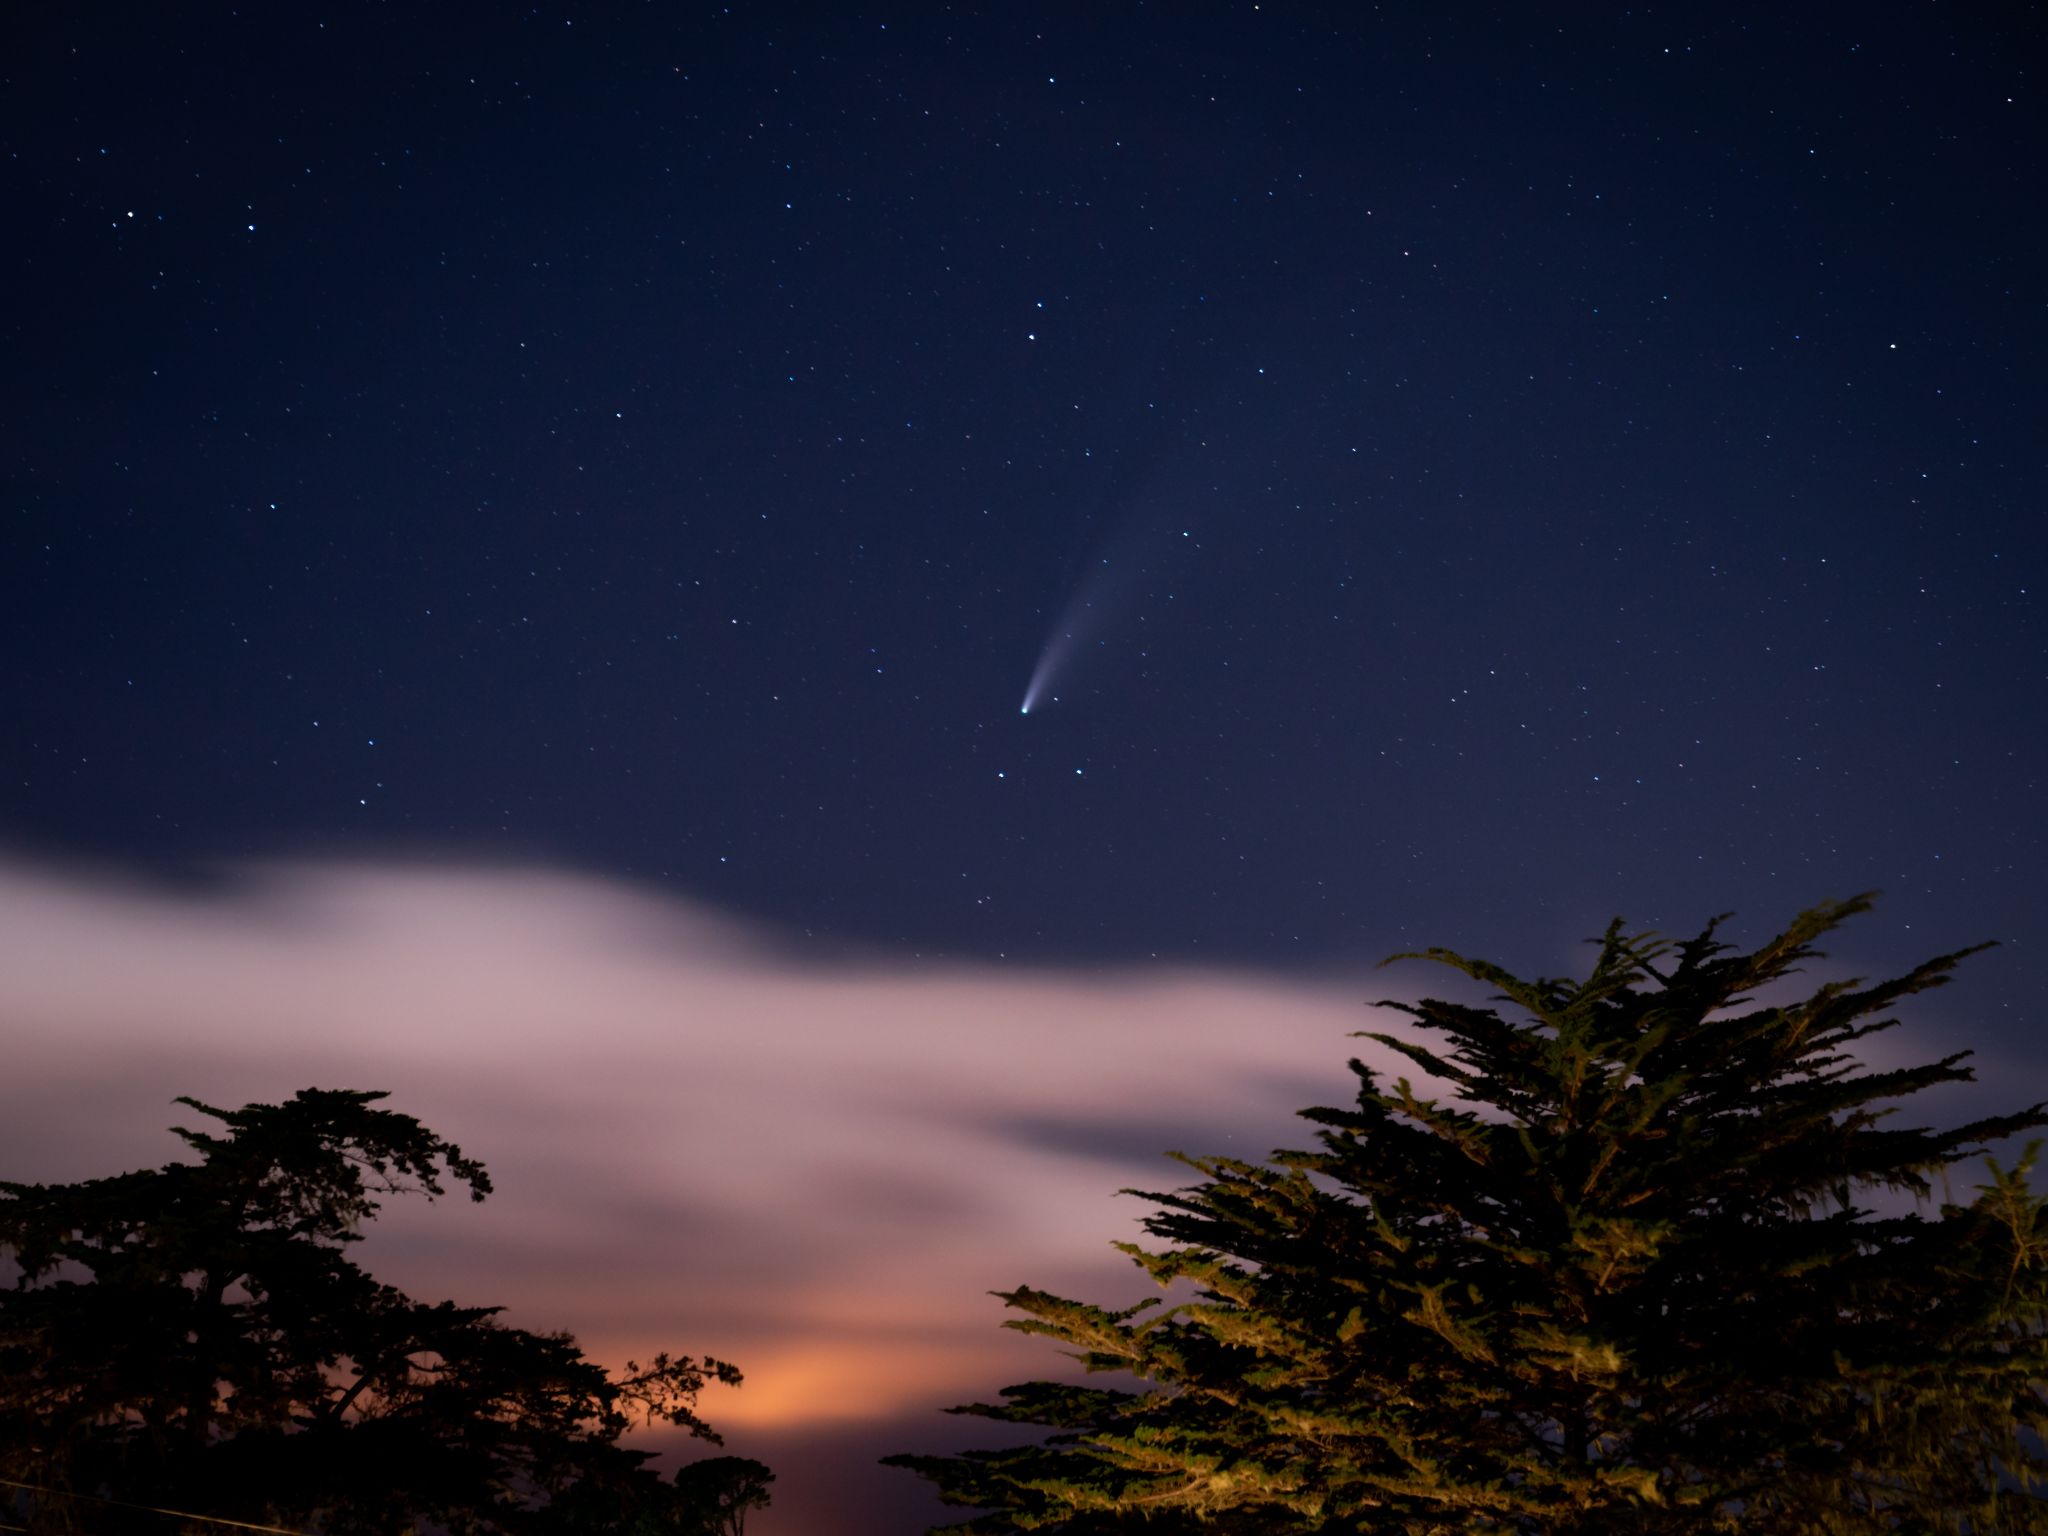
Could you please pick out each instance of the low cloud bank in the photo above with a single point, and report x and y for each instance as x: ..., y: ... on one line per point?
x: 700, y: 1141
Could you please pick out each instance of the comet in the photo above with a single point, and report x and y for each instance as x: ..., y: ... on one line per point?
x: 1055, y: 655
x: 1134, y: 568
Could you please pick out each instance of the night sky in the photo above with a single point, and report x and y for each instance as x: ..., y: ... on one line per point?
x: 1444, y: 477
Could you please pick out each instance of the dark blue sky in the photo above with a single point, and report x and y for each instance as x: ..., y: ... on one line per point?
x: 1467, y: 475
x: 1581, y: 460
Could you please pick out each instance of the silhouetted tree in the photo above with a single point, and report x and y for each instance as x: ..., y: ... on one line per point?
x: 196, y: 1338
x: 1621, y: 1281
x: 720, y: 1490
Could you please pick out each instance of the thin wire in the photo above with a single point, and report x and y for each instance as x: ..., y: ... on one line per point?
x: 150, y: 1509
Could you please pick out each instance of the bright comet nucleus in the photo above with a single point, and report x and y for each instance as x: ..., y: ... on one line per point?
x: 1041, y: 675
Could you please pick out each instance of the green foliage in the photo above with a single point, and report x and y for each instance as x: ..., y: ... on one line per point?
x: 1618, y: 1281
x: 196, y: 1337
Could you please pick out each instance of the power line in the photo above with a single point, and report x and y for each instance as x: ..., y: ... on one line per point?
x: 150, y: 1509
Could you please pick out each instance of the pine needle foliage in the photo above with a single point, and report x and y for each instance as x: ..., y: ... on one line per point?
x: 1619, y: 1263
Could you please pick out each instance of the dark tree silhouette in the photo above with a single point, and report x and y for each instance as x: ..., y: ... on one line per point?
x: 1621, y: 1281
x: 196, y: 1338
x: 719, y: 1491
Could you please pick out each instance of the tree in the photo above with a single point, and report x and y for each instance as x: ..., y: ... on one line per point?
x: 1626, y: 1278
x: 720, y: 1490
x: 197, y: 1338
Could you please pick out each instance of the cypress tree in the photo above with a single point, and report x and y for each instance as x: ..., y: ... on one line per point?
x: 192, y: 1344
x: 1627, y: 1264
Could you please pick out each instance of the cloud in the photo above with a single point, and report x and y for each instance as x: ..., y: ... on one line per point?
x: 701, y: 1139
x: 1140, y: 1142
x: 704, y: 1139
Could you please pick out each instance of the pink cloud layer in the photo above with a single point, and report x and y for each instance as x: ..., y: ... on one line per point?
x: 700, y: 1142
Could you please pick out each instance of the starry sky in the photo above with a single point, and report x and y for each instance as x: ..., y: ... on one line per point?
x: 572, y: 503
